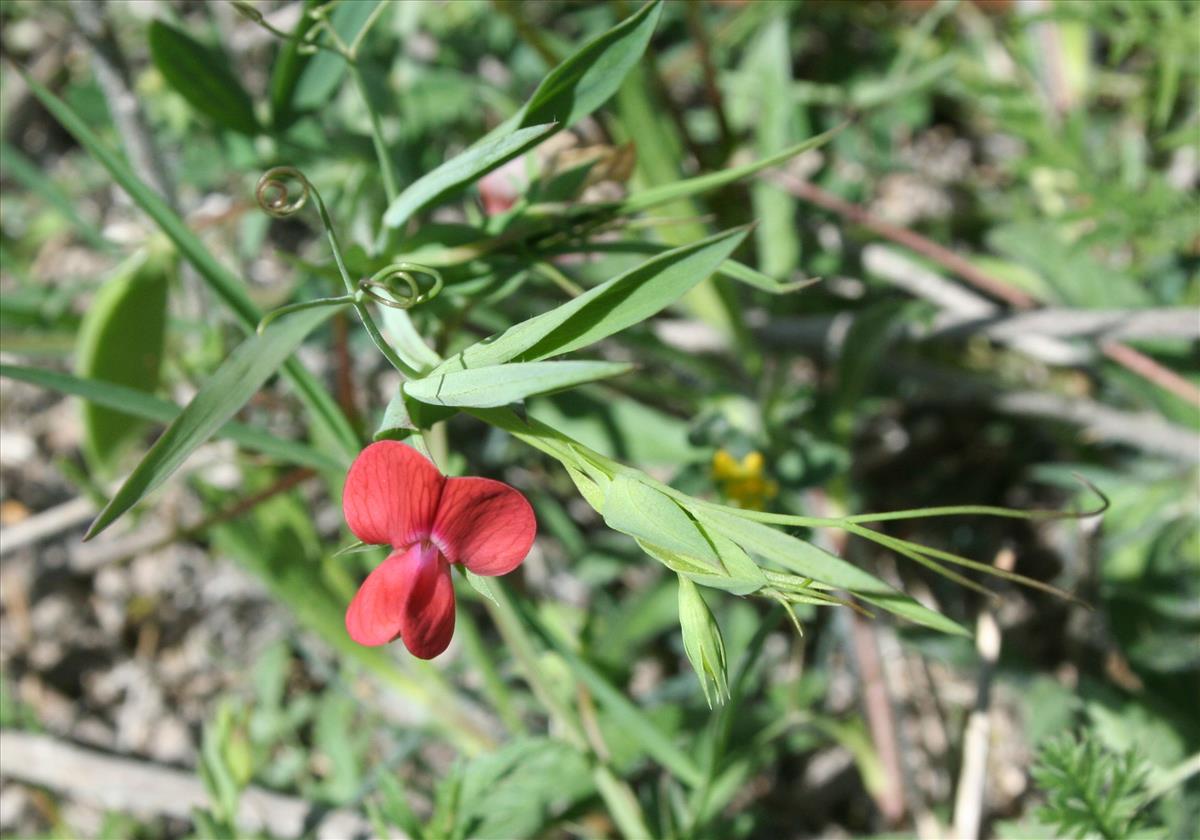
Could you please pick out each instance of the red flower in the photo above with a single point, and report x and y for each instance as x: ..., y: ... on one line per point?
x: 395, y: 496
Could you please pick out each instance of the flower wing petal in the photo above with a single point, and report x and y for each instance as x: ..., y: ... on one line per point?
x: 391, y: 494
x: 427, y: 618
x: 485, y: 525
x: 375, y: 615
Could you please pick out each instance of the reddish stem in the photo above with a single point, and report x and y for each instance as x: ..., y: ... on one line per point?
x: 1124, y: 355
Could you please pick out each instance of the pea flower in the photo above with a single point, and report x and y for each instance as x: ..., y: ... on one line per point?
x: 744, y: 482
x: 395, y: 496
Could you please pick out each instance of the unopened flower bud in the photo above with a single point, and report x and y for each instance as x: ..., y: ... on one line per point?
x: 702, y: 642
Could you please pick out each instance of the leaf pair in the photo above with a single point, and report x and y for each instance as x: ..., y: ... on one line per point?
x: 508, y: 367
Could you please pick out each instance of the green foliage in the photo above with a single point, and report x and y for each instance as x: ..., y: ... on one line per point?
x: 603, y: 310
x: 203, y: 77
x: 136, y: 403
x: 242, y: 374
x: 121, y: 341
x: 1056, y: 149
x: 491, y: 387
x: 1090, y: 791
x: 463, y: 170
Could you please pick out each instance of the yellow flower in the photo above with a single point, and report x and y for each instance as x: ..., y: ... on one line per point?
x: 743, y: 482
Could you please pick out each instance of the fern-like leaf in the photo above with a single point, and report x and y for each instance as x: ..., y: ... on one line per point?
x: 1090, y: 791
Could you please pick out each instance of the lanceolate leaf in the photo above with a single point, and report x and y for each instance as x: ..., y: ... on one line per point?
x: 807, y: 560
x: 285, y: 73
x: 571, y: 91
x: 147, y: 407
x: 587, y: 79
x: 704, y: 183
x: 121, y: 341
x: 643, y: 512
x: 741, y: 575
x: 497, y: 386
x: 732, y: 269
x: 222, y: 281
x: 246, y: 369
x: 202, y: 77
x: 605, y: 309
x: 463, y: 170
x: 323, y: 72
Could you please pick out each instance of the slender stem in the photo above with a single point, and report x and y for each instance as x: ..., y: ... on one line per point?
x: 551, y: 272
x: 352, y: 51
x: 274, y: 314
x: 364, y: 313
x: 255, y: 15
x: 387, y: 168
x: 906, y: 549
x: 618, y: 796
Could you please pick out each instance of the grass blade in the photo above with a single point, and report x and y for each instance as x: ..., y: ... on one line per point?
x: 148, y: 407
x: 227, y: 286
x: 238, y: 378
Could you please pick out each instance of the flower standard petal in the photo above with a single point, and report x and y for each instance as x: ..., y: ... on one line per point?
x: 374, y: 616
x: 391, y: 494
x: 427, y: 613
x: 485, y: 525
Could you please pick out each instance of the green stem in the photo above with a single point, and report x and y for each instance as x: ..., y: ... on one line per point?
x: 387, y: 169
x: 302, y: 305
x: 618, y: 796
x: 364, y: 313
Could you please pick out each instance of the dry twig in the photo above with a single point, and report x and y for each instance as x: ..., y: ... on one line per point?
x: 147, y: 789
x: 1122, y: 354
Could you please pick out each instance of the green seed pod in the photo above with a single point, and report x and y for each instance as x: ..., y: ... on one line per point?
x: 702, y: 642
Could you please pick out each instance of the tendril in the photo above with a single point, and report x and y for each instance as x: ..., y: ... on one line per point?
x: 273, y: 192
x: 304, y: 45
x: 275, y: 198
x: 386, y: 280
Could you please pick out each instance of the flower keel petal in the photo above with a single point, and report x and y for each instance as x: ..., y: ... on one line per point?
x: 427, y: 615
x: 485, y: 525
x: 391, y: 494
x: 375, y: 615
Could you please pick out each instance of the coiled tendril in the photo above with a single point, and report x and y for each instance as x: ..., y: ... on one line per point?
x: 385, y: 280
x: 273, y: 191
x: 275, y: 196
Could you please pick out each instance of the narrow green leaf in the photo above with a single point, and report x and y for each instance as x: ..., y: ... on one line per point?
x: 323, y: 72
x: 743, y: 273
x: 121, y: 341
x: 148, y: 407
x: 770, y: 62
x: 223, y: 282
x: 741, y: 575
x: 643, y: 512
x: 589, y: 77
x: 605, y: 309
x: 704, y: 183
x: 203, y: 77
x: 462, y: 170
x: 481, y: 584
x: 808, y: 560
x: 35, y: 180
x: 287, y: 69
x: 731, y: 269
x: 405, y: 340
x: 652, y: 739
x: 504, y: 384
x: 234, y: 383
